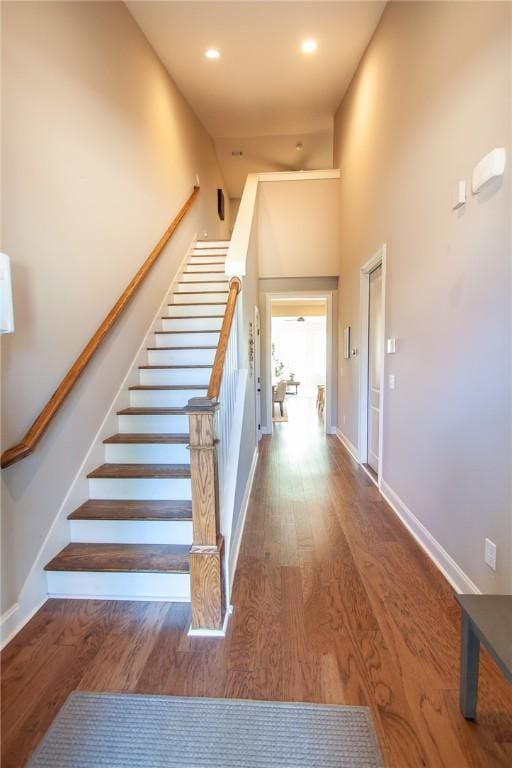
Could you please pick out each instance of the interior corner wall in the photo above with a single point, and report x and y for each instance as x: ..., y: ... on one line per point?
x: 431, y: 97
x: 99, y: 150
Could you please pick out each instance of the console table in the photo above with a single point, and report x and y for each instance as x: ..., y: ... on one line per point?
x: 292, y: 383
x: 485, y: 619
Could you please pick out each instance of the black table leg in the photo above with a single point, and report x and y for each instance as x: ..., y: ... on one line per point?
x: 469, y: 657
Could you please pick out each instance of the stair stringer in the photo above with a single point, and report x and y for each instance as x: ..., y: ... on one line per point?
x: 34, y: 591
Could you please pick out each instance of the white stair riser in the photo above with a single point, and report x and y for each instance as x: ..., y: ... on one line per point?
x: 163, y: 398
x: 187, y: 339
x: 172, y: 587
x: 197, y: 310
x: 176, y: 424
x: 131, y: 531
x: 211, y: 267
x: 200, y: 245
x: 144, y: 453
x: 181, y: 356
x: 201, y: 287
x: 192, y: 323
x: 163, y: 376
x: 205, y: 261
x: 199, y: 298
x: 204, y: 277
x: 140, y: 489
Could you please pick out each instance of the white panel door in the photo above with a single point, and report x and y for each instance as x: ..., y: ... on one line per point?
x: 375, y: 353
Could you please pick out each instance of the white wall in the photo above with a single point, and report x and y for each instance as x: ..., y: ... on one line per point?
x: 99, y: 152
x: 432, y: 95
x: 298, y: 228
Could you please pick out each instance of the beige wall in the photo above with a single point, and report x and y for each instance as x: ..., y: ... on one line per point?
x: 298, y: 309
x: 430, y: 98
x: 99, y: 152
x: 298, y: 233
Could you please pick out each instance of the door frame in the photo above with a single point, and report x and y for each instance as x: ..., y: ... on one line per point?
x: 377, y: 260
x: 257, y: 372
x: 330, y: 385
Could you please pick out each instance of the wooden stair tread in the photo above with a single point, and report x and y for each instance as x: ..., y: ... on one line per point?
x: 152, y: 349
x: 138, y: 558
x: 151, y: 412
x: 190, y: 317
x: 164, y: 367
x: 197, y: 304
x: 138, y: 438
x: 203, y: 282
x: 141, y: 471
x: 114, y: 509
x: 169, y: 387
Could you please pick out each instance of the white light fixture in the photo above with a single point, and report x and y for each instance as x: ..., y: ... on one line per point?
x: 309, y: 46
x: 299, y: 145
x: 212, y: 53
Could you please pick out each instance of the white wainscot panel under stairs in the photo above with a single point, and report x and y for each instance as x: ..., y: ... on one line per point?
x: 130, y: 539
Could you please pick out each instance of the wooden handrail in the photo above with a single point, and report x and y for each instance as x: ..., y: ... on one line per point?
x: 235, y: 285
x: 29, y: 441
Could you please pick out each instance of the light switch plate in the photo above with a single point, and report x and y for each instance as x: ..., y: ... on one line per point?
x: 391, y: 346
x: 391, y: 381
x: 490, y: 554
x: 459, y: 196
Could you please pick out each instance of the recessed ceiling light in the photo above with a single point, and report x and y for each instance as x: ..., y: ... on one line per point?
x: 212, y: 53
x: 309, y: 46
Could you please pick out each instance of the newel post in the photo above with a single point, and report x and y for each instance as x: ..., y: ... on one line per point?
x: 206, y: 554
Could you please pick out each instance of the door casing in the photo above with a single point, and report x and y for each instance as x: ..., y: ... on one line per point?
x: 378, y: 259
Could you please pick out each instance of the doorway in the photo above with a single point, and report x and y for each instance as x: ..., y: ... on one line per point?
x: 298, y: 341
x: 372, y: 364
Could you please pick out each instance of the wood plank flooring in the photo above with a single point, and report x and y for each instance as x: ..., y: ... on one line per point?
x: 334, y: 603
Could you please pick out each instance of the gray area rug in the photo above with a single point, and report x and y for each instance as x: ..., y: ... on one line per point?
x: 110, y: 730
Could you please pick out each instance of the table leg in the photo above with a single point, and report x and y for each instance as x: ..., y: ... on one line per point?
x: 469, y: 658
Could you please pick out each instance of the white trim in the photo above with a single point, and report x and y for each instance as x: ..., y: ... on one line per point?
x: 236, y: 538
x: 348, y: 444
x: 377, y: 260
x: 33, y: 594
x: 213, y: 632
x: 329, y: 173
x: 10, y: 626
x: 459, y: 580
x: 371, y: 475
x: 330, y: 384
x: 236, y: 257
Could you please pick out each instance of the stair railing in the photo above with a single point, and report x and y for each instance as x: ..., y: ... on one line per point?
x: 210, y: 422
x: 29, y: 441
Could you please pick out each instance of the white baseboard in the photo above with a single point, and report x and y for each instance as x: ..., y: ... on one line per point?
x: 213, y: 632
x: 351, y: 448
x: 459, y: 580
x: 331, y: 430
x: 240, y: 525
x: 12, y: 621
x: 266, y: 430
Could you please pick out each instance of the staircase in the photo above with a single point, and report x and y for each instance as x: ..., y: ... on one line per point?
x: 131, y: 539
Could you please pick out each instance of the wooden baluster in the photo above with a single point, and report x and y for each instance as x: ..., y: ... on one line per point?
x: 206, y: 554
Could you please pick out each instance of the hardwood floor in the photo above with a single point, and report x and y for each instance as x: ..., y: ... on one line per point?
x: 334, y: 603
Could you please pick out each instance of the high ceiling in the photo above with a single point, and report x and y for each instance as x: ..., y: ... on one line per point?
x: 262, y: 96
